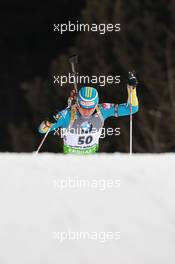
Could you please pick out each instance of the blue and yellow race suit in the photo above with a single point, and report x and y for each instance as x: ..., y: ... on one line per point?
x: 81, y: 135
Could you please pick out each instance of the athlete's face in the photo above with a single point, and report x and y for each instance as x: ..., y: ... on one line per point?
x: 86, y: 113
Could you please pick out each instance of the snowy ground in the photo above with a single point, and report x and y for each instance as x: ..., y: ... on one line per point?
x: 126, y: 206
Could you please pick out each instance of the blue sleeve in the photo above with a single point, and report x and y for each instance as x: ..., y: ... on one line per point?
x: 109, y: 110
x: 63, y: 119
x: 124, y: 109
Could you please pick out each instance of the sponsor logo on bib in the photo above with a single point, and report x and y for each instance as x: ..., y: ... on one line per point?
x: 86, y: 127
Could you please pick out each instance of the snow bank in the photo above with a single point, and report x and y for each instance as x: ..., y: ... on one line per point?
x: 91, y: 209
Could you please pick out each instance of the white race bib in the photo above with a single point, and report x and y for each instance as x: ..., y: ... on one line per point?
x: 81, y: 140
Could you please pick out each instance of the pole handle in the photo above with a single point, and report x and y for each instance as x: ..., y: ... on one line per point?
x: 73, y: 59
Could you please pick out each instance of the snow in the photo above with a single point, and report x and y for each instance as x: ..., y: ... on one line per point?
x: 132, y: 197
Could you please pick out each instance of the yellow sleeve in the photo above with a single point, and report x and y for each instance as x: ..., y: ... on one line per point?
x: 134, y: 96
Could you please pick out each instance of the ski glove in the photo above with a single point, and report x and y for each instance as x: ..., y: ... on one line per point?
x: 73, y: 95
x: 44, y: 126
x: 132, y: 79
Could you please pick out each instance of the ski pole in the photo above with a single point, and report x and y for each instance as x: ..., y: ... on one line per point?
x: 132, y: 84
x: 130, y: 148
x: 42, y: 142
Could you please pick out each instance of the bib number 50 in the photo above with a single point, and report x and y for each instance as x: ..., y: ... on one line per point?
x: 85, y: 140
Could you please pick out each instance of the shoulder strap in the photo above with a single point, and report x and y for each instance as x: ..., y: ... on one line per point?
x: 99, y: 113
x: 72, y: 115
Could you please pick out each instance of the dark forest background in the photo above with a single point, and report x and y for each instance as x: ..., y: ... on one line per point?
x: 31, y: 53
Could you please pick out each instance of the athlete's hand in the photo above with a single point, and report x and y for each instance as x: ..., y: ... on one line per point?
x: 132, y: 79
x: 45, y: 126
x: 73, y: 95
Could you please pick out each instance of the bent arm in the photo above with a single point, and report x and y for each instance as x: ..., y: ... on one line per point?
x: 124, y: 109
x: 63, y: 119
x: 116, y: 110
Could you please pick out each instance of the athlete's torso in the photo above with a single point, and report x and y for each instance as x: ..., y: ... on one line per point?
x: 84, y: 133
